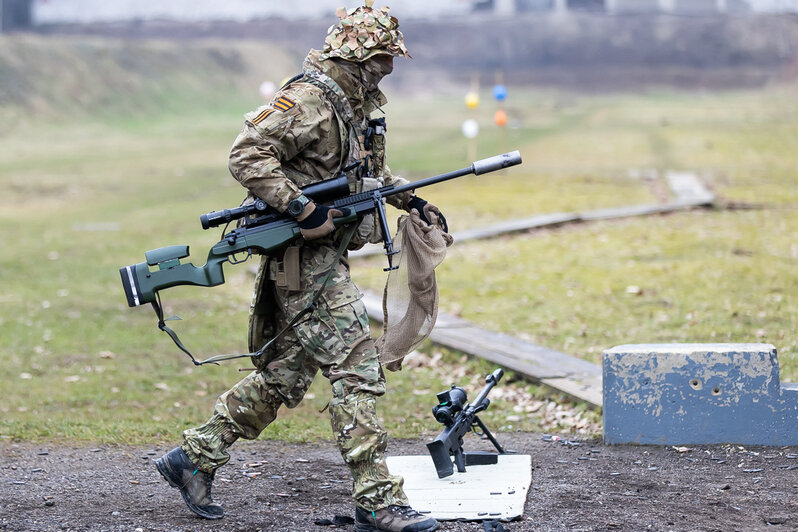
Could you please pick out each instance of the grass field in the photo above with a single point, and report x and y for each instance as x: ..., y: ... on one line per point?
x: 88, y: 191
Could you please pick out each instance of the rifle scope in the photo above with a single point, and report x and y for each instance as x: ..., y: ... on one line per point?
x: 450, y: 403
x: 319, y: 192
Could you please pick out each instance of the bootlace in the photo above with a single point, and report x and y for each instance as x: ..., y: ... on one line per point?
x: 405, y: 511
x: 208, y: 483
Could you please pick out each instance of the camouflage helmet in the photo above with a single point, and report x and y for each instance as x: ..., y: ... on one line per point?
x: 362, y: 33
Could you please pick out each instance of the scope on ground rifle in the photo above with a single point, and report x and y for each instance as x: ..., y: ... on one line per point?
x: 450, y: 403
x: 460, y: 418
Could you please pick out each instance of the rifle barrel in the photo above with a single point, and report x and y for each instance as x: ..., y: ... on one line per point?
x: 430, y: 181
x: 483, y: 166
x: 491, y: 381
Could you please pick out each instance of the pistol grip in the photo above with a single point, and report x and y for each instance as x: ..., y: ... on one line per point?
x: 349, y: 216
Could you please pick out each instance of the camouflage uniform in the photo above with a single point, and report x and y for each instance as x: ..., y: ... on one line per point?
x: 312, y: 128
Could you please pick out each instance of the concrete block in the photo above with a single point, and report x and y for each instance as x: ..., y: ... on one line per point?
x: 675, y: 394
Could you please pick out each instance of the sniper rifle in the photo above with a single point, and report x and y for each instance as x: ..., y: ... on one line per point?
x: 263, y: 230
x: 460, y: 418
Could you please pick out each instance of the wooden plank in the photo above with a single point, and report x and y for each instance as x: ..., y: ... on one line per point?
x: 587, y: 389
x: 541, y: 361
x: 572, y: 376
x: 514, y: 226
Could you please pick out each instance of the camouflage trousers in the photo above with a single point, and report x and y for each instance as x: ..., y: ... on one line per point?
x: 334, y: 339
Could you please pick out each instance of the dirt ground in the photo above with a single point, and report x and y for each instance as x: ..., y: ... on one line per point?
x: 576, y: 485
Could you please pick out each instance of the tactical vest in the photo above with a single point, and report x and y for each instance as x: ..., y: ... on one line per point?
x: 362, y: 140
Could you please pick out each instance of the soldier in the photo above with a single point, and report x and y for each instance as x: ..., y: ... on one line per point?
x: 316, y: 126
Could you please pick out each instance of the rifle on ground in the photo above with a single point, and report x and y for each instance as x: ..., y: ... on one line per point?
x: 460, y: 418
x: 263, y: 230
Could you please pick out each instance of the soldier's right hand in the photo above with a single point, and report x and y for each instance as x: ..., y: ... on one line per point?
x: 316, y: 221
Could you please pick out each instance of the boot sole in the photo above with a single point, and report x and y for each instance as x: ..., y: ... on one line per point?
x: 168, y: 475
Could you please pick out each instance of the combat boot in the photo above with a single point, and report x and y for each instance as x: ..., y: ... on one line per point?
x: 194, y: 485
x: 393, y: 519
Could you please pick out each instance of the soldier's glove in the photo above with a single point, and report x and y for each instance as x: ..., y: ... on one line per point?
x: 316, y: 221
x: 426, y: 209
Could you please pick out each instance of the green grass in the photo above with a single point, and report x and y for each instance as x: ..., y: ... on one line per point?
x: 91, y: 192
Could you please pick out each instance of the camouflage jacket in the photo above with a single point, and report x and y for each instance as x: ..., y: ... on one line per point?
x: 301, y: 137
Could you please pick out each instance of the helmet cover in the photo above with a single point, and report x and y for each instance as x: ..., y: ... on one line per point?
x: 362, y: 33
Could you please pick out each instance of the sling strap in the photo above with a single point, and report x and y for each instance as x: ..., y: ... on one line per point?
x: 156, y: 305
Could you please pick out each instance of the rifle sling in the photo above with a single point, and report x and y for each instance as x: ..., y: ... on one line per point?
x: 156, y: 305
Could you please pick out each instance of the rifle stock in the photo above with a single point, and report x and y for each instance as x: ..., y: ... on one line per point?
x: 142, y: 284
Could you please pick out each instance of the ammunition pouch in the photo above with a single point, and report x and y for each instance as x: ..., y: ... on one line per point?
x: 284, y: 270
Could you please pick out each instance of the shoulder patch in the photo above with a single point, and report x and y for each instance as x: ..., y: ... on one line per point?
x: 283, y: 104
x: 262, y: 116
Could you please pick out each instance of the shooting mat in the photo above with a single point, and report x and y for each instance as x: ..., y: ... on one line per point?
x: 483, y: 492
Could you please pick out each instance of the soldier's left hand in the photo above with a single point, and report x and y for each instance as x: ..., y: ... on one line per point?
x: 426, y: 210
x: 316, y: 221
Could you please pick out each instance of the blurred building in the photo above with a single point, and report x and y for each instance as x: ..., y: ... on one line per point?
x: 22, y: 13
x: 85, y: 11
x: 15, y: 15
x: 685, y: 7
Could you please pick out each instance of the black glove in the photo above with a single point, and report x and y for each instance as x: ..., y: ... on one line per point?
x: 316, y: 221
x: 424, y: 208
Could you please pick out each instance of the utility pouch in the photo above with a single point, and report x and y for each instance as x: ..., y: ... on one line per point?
x: 368, y: 231
x: 285, y: 272
x: 376, y: 142
x: 376, y: 128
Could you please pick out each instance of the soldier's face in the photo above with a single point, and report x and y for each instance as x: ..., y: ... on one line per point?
x: 377, y: 67
x: 384, y: 64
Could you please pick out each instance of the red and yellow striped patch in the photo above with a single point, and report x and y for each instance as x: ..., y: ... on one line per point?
x: 283, y: 104
x: 262, y: 116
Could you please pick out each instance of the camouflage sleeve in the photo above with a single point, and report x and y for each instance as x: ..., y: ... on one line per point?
x: 271, y: 135
x: 400, y: 200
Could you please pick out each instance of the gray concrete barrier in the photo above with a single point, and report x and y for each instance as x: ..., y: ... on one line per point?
x: 676, y: 394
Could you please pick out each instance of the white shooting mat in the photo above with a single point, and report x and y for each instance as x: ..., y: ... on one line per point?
x: 495, y: 491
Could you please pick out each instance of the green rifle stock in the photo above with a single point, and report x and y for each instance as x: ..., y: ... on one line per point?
x: 265, y: 230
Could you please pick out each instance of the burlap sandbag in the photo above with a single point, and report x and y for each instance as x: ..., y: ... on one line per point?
x: 410, y: 299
